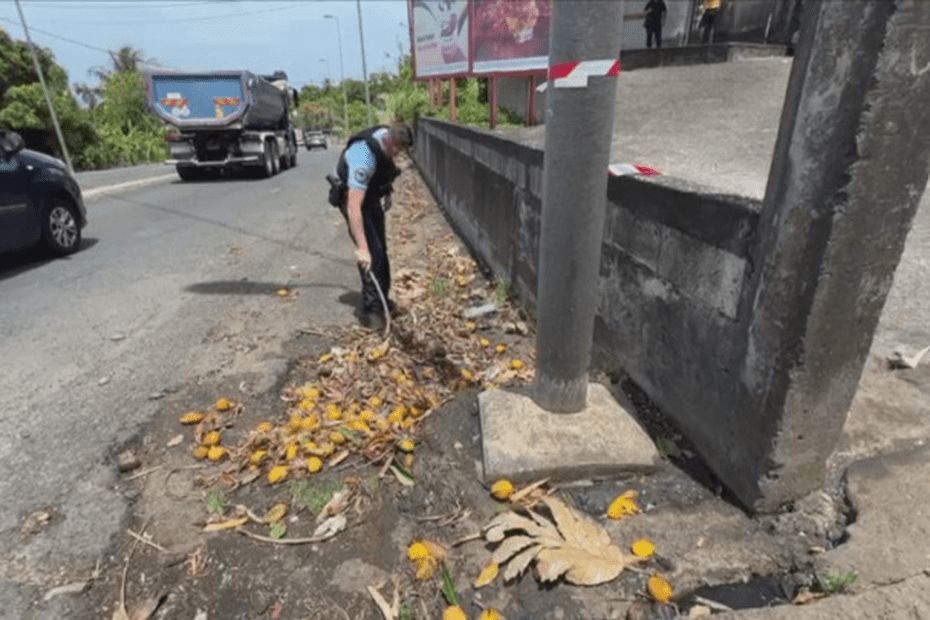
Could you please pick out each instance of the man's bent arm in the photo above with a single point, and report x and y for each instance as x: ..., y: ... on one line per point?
x: 356, y: 227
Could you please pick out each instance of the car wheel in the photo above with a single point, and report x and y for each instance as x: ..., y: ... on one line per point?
x: 267, y: 160
x: 61, y: 232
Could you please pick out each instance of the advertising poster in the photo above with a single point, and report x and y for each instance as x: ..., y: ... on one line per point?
x: 440, y: 37
x: 511, y: 35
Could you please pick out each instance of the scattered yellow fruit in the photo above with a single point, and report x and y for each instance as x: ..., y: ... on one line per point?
x: 382, y: 424
x: 487, y: 575
x: 360, y: 426
x: 406, y: 445
x: 277, y: 474
x: 265, y: 427
x: 644, y: 548
x: 416, y: 412
x: 224, y: 404
x: 624, y: 505
x: 327, y: 448
x: 502, y: 490
x: 314, y: 464
x: 417, y: 551
x: 309, y: 391
x: 484, y: 342
x: 408, y: 423
x: 310, y: 423
x: 660, y: 588
x: 192, y: 417
x: 307, y: 404
x: 516, y: 364
x: 216, y: 453
x: 294, y: 423
x: 367, y: 416
x: 326, y: 357
x: 468, y: 375
x: 375, y: 401
x: 408, y: 461
x: 426, y: 568
x: 501, y: 348
x: 292, y: 450
x: 310, y: 446
x: 258, y: 457
x: 395, y: 417
x: 200, y: 452
x: 490, y: 614
x: 283, y: 292
x: 337, y: 438
x: 333, y: 412
x: 471, y: 326
x: 212, y: 438
x: 454, y: 612
x: 277, y: 512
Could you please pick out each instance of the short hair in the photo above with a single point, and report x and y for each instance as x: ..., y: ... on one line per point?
x: 401, y: 135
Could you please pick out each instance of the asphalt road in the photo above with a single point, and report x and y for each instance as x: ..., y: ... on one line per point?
x: 172, y: 280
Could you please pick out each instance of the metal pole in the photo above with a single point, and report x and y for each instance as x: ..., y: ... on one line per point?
x: 361, y: 38
x: 48, y: 97
x: 579, y: 128
x: 342, y: 73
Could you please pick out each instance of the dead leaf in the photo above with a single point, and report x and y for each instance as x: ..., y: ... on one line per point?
x: 175, y: 441
x: 276, y: 513
x: 148, y: 607
x: 402, y: 478
x: 228, y: 524
x: 335, y: 506
x: 487, y: 575
x: 567, y: 545
x: 388, y: 612
x: 330, y: 527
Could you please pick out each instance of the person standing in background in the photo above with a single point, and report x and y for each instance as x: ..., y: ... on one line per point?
x: 710, y: 10
x: 654, y: 11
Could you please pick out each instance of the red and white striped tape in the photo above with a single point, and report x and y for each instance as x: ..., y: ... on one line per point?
x: 621, y: 170
x: 575, y: 74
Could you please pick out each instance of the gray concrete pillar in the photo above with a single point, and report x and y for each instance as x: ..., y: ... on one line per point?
x: 849, y: 168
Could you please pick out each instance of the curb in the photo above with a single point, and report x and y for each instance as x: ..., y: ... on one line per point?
x: 127, y: 185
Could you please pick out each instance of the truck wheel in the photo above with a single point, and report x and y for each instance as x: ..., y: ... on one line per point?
x: 275, y: 158
x: 294, y: 158
x: 189, y: 173
x: 285, y: 160
x: 267, y: 161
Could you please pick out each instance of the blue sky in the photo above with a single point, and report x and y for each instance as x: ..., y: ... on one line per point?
x: 258, y: 35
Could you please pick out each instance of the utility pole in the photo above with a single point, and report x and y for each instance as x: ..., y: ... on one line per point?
x: 579, y: 129
x: 48, y: 97
x: 361, y: 38
x: 342, y: 71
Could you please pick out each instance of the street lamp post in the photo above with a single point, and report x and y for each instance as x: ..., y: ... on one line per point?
x: 361, y: 38
x: 342, y: 71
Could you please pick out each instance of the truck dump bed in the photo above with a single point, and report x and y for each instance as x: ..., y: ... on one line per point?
x: 216, y: 99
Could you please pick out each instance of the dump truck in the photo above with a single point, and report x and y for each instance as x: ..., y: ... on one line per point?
x: 225, y: 120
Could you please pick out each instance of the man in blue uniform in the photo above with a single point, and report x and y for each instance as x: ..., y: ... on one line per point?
x: 366, y: 167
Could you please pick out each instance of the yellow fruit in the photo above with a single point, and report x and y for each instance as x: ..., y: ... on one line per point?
x: 200, y: 452
x: 277, y: 512
x: 501, y: 348
x: 408, y: 423
x: 382, y: 425
x: 454, y: 612
x: 408, y: 461
x: 326, y: 357
x: 644, y: 548
x: 309, y: 392
x: 416, y: 412
x: 294, y: 423
x: 471, y: 326
x: 277, y: 474
x: 375, y: 401
x: 314, y: 464
x: 426, y: 568
x: 192, y: 417
x: 327, y: 448
x: 216, y: 453
x: 516, y: 364
x: 333, y: 412
x: 367, y: 415
x: 417, y: 551
x: 406, y: 445
x: 468, y: 375
x: 487, y: 575
x: 307, y: 404
x: 624, y: 505
x: 310, y: 446
x: 484, y: 342
x: 502, y: 490
x: 291, y: 452
x: 337, y: 438
x: 490, y: 614
x: 265, y: 427
x: 359, y: 425
x: 660, y: 588
x: 258, y: 457
x: 310, y: 423
x: 224, y: 404
x: 395, y: 417
x: 212, y: 438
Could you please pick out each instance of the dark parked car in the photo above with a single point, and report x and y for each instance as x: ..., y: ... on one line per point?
x: 40, y: 202
x: 314, y: 138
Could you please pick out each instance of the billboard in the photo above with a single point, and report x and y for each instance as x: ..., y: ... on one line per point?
x: 510, y: 35
x: 440, y: 37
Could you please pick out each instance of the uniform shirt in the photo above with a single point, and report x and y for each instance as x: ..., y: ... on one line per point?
x: 361, y: 162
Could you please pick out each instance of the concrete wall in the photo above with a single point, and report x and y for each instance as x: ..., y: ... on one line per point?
x: 674, y: 266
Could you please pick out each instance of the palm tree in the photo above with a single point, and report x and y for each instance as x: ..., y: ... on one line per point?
x: 126, y: 58
x: 90, y: 95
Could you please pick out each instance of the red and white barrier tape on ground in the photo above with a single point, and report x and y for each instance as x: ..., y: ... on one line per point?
x: 622, y: 170
x: 575, y: 74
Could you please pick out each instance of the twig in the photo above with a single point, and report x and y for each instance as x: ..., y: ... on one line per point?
x: 284, y: 541
x: 144, y: 472
x: 712, y: 604
x: 465, y: 539
x: 146, y: 541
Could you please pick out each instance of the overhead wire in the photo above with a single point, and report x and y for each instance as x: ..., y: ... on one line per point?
x: 193, y: 18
